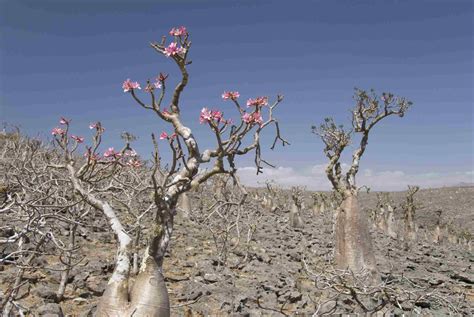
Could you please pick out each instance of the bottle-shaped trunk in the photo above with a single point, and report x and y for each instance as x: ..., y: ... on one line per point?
x: 437, y: 235
x: 322, y: 207
x: 354, y: 249
x: 315, y: 209
x: 114, y: 300
x: 148, y: 296
x: 410, y: 228
x: 382, y: 220
x: 269, y: 204
x: 391, y: 224
x: 295, y: 217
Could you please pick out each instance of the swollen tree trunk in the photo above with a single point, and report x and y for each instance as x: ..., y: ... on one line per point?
x: 322, y: 207
x: 315, y: 209
x: 268, y: 204
x: 410, y: 229
x: 295, y: 218
x: 148, y: 296
x: 354, y: 249
x: 437, y: 238
x: 382, y: 220
x: 114, y: 300
x: 391, y: 231
x: 437, y: 235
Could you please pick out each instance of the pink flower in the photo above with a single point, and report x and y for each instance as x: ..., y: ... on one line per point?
x: 247, y: 118
x: 173, y: 49
x: 252, y: 118
x: 163, y: 135
x: 210, y: 115
x: 58, y: 131
x: 134, y: 163
x: 165, y: 111
x: 78, y: 139
x: 97, y: 126
x: 233, y: 95
x: 217, y: 115
x: 259, y: 101
x: 64, y: 121
x: 111, y: 153
x: 151, y: 87
x: 130, y: 153
x: 205, y: 116
x: 129, y: 85
x: 257, y: 118
x: 178, y: 31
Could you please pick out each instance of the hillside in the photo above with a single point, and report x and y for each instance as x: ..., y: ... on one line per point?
x: 276, y: 272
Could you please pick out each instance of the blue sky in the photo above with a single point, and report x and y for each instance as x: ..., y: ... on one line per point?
x: 70, y: 57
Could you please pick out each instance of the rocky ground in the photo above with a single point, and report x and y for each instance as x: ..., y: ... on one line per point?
x: 279, y: 272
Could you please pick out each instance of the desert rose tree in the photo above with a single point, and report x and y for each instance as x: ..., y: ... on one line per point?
x: 148, y: 295
x: 353, y: 248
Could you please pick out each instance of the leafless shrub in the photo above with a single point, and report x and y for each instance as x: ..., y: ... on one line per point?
x: 346, y: 291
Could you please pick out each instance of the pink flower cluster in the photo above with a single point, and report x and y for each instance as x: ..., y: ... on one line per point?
x: 174, y: 49
x: 134, y: 163
x: 78, y: 139
x: 128, y: 85
x: 210, y: 115
x: 130, y: 153
x: 178, y: 31
x: 110, y: 153
x: 155, y: 85
x: 251, y: 118
x: 259, y: 101
x: 129, y: 157
x: 232, y: 95
x: 165, y: 135
x: 58, y: 131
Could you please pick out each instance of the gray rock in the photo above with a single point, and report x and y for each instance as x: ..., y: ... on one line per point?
x: 50, y: 309
x: 210, y: 278
x: 45, y: 292
x: 96, y: 284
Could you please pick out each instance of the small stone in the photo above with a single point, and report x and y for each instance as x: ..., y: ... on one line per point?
x: 210, y: 278
x: 294, y: 296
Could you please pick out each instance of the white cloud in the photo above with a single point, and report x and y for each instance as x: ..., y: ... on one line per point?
x: 314, y: 178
